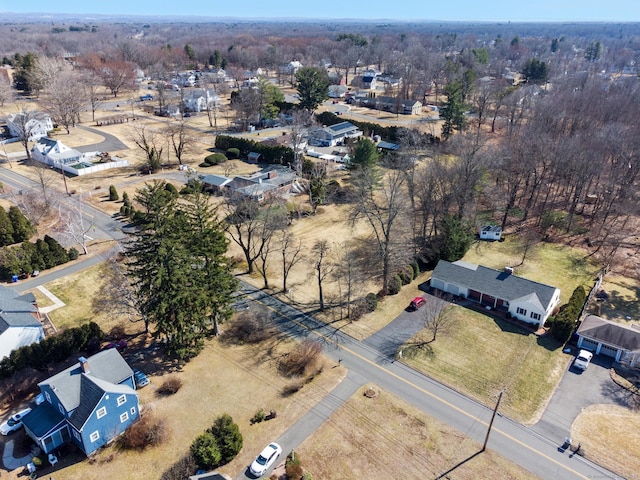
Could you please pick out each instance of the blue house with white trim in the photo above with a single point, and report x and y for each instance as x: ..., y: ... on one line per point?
x: 90, y: 404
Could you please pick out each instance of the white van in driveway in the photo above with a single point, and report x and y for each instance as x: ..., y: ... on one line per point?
x: 582, y: 360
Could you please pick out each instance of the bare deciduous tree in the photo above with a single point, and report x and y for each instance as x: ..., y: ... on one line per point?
x: 118, y: 297
x: 64, y: 98
x: 73, y: 225
x: 323, y: 267
x: 291, y: 251
x: 181, y: 139
x: 151, y: 142
x: 437, y: 318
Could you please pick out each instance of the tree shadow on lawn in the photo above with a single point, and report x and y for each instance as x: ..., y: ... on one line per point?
x: 617, y: 307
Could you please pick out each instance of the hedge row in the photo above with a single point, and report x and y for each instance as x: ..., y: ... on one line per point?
x: 390, y: 134
x: 563, y: 324
x: 52, y: 349
x: 404, y: 276
x: 270, y: 154
x: 27, y: 257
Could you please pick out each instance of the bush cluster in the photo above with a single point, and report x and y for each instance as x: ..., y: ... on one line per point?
x: 233, y: 153
x: 180, y: 470
x: 293, y: 467
x: 170, y: 386
x: 14, y: 227
x: 563, y: 325
x: 270, y: 154
x: 50, y: 350
x: 24, y: 259
x: 214, y: 159
x: 147, y: 432
x: 301, y: 359
x: 218, y: 445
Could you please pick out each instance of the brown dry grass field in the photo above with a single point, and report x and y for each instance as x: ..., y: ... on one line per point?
x: 385, y: 437
x: 611, y: 438
x: 547, y: 263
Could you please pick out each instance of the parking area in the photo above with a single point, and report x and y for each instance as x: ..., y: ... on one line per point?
x: 576, y: 391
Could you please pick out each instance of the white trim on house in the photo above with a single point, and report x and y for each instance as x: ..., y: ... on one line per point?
x: 101, y: 412
x: 95, y: 436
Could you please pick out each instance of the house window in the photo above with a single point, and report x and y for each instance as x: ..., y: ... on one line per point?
x: 101, y: 412
x: 61, y: 408
x: 48, y: 397
x: 122, y: 399
x: 521, y: 311
x: 535, y: 316
x: 133, y: 410
x: 77, y: 435
x: 124, y: 417
x: 94, y: 436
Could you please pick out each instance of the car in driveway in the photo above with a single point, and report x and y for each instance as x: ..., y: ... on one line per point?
x: 416, y: 303
x: 14, y: 422
x: 267, y: 457
x: 140, y: 378
x: 582, y: 359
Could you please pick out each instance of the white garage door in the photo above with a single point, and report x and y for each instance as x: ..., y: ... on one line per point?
x: 439, y: 284
x: 588, y: 345
x: 608, y: 351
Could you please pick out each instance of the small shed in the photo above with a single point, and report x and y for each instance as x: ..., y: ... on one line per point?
x: 490, y: 232
x: 254, y: 157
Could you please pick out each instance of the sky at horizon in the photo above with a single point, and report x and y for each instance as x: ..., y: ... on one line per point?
x: 423, y: 10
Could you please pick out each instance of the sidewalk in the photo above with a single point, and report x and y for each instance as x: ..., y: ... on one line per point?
x: 57, y: 303
x: 9, y: 461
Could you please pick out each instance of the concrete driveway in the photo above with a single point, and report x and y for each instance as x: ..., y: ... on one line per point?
x: 576, y: 391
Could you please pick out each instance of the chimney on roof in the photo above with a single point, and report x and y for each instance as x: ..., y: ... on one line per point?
x: 272, y: 174
x: 84, y: 364
x: 508, y: 270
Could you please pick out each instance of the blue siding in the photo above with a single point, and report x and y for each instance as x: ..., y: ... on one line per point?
x: 110, y: 425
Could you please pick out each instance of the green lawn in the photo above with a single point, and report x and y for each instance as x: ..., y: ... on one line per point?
x: 481, y: 356
x: 549, y: 263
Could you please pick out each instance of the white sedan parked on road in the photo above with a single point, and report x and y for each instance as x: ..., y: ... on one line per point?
x: 266, y: 458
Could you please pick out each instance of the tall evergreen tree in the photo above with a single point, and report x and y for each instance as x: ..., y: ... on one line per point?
x: 313, y: 87
x: 179, y: 269
x: 6, y: 228
x: 452, y: 112
x: 22, y: 228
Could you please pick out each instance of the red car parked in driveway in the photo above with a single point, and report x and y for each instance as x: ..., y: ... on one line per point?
x: 416, y: 303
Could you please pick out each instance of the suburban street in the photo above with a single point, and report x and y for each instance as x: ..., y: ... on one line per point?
x: 522, y: 445
x: 371, y: 362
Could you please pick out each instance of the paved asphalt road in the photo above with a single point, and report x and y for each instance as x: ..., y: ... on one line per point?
x: 537, y: 454
x: 367, y: 364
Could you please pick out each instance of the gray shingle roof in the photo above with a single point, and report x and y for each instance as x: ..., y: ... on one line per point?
x: 16, y: 310
x: 342, y: 127
x: 108, y: 366
x: 493, y: 282
x: 610, y: 333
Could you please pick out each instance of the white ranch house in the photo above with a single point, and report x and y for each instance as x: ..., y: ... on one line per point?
x: 525, y: 300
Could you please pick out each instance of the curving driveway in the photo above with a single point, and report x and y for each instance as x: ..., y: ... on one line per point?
x: 111, y: 143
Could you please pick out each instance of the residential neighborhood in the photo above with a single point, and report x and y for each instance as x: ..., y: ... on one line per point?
x: 244, y: 247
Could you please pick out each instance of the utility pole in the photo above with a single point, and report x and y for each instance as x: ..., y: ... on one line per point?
x: 495, y: 410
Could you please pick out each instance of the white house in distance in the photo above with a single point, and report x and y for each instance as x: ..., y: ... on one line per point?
x: 37, y: 125
x: 198, y: 100
x: 490, y: 232
x: 334, y: 134
x: 19, y: 321
x: 59, y: 156
x: 525, y: 300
